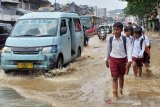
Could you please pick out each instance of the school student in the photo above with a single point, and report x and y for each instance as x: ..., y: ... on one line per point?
x: 129, y: 24
x: 128, y: 30
x: 146, y: 57
x: 138, y: 51
x: 118, y: 51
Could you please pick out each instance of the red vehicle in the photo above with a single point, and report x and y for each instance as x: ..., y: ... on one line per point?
x: 92, y: 23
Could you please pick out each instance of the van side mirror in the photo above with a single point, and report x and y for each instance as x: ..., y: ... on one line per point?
x: 63, y: 30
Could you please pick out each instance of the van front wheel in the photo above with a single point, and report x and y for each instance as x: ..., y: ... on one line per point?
x: 59, y: 64
x: 7, y: 71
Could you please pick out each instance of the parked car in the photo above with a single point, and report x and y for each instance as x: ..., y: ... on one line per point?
x: 5, y: 30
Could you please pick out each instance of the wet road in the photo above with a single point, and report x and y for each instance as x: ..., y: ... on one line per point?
x: 84, y: 82
x: 10, y: 98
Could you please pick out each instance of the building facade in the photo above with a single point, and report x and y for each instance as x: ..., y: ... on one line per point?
x: 11, y: 10
x: 74, y: 8
x: 117, y: 15
x: 102, y: 12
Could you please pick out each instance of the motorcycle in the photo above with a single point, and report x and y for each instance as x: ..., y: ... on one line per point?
x: 103, y: 30
x: 102, y: 34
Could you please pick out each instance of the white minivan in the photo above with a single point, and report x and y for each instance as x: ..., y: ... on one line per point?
x: 43, y: 41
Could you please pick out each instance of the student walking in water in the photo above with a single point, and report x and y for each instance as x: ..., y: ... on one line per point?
x: 118, y: 51
x: 128, y: 30
x: 146, y: 57
x: 138, y: 51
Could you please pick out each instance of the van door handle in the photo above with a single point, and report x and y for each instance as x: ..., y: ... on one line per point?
x: 68, y: 38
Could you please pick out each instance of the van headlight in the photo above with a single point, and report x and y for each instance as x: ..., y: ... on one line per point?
x: 6, y: 50
x: 52, y: 49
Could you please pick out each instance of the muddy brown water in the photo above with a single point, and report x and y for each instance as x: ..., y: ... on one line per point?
x: 85, y: 82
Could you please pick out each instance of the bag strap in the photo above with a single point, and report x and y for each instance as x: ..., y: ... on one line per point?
x: 110, y: 42
x: 124, y: 43
x: 141, y: 43
x: 144, y: 37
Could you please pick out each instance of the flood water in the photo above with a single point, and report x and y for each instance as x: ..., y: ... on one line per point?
x: 85, y: 82
x: 10, y: 98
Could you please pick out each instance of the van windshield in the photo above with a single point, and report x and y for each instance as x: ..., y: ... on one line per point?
x: 35, y: 27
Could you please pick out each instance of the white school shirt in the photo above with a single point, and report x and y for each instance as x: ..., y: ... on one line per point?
x: 136, y: 49
x: 118, y: 50
x: 130, y: 39
x: 122, y: 33
x: 147, y: 42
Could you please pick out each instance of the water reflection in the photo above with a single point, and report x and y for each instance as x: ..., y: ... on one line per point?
x: 10, y: 98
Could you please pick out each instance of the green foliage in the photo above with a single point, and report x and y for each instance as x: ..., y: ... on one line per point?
x: 140, y: 7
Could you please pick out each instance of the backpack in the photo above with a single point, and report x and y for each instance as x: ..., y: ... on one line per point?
x: 147, y: 50
x: 141, y: 42
x: 146, y: 54
x: 124, y: 43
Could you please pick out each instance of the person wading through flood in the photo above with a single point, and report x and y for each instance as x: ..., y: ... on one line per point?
x: 138, y: 51
x: 118, y: 51
x: 127, y: 31
x: 146, y: 55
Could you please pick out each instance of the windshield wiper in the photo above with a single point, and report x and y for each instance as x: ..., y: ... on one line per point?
x: 33, y: 36
x: 25, y: 35
x: 43, y: 35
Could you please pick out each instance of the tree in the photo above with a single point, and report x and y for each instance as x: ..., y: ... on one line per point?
x: 140, y: 7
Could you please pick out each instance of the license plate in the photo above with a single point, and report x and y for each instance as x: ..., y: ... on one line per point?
x: 25, y: 65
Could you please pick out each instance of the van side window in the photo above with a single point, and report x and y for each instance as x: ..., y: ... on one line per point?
x: 77, y: 25
x: 63, y: 29
x: 9, y: 28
